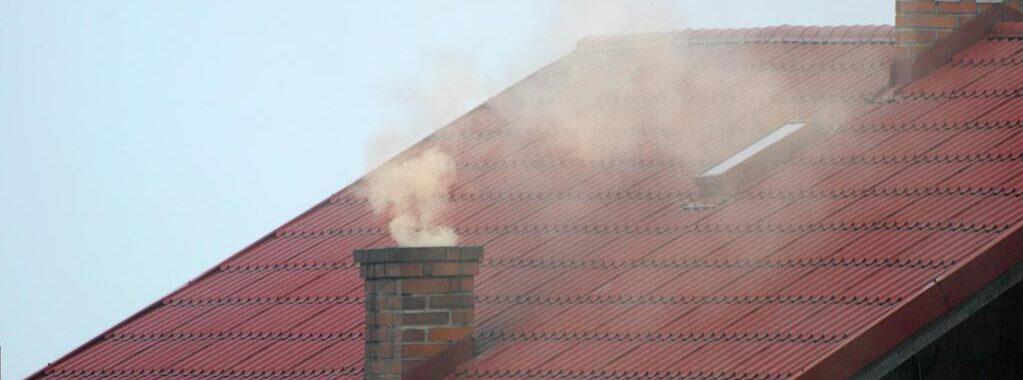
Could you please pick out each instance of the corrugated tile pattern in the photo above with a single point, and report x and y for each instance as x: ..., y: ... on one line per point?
x: 767, y: 284
x: 573, y: 181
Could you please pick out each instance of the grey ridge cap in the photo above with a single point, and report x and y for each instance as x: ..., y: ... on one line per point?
x: 418, y: 254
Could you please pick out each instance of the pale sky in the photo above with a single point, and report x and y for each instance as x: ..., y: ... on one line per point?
x: 142, y: 142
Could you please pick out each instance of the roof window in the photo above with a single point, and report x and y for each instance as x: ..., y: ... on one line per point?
x: 752, y: 163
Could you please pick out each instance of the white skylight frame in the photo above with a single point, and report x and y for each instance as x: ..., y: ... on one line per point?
x: 757, y: 160
x: 757, y: 147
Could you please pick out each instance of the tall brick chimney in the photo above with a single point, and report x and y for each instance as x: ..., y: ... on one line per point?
x: 929, y: 32
x: 921, y: 23
x: 419, y: 309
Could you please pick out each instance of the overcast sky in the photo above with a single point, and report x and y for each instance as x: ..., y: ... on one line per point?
x: 141, y: 142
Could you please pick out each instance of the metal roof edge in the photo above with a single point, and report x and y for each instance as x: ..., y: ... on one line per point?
x: 958, y: 290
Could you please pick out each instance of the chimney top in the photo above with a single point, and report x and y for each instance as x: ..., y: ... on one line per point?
x: 929, y: 32
x: 418, y: 255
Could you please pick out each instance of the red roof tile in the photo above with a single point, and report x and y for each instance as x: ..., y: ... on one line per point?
x: 592, y: 266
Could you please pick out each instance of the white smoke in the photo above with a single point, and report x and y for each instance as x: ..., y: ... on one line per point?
x: 414, y: 194
x: 451, y: 85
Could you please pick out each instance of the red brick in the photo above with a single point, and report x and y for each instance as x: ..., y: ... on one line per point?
x: 381, y: 286
x: 446, y: 269
x: 449, y: 334
x: 941, y: 34
x: 916, y: 37
x: 411, y: 269
x: 926, y: 21
x: 453, y: 255
x: 425, y: 285
x: 383, y: 366
x: 902, y: 54
x: 423, y: 350
x: 464, y: 283
x: 471, y: 268
x: 463, y: 301
x: 380, y: 319
x: 368, y: 271
x: 378, y: 335
x: 413, y: 302
x: 965, y: 18
x: 407, y: 364
x: 957, y: 7
x: 931, y: 6
x: 432, y: 318
x: 379, y: 350
x: 413, y: 335
x: 915, y: 6
x: 383, y: 302
x: 905, y: 52
x: 379, y: 270
x: 393, y: 269
x: 463, y: 317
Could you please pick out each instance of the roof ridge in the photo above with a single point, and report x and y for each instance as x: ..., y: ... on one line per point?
x: 842, y: 34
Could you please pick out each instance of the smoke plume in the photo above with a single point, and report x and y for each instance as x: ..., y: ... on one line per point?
x: 413, y: 193
x: 576, y: 121
x: 452, y: 84
x: 607, y: 104
x: 568, y: 21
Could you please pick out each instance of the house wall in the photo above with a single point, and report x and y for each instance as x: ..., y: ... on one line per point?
x: 988, y: 345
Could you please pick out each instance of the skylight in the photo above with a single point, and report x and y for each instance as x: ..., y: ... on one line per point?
x: 757, y: 147
x: 752, y: 163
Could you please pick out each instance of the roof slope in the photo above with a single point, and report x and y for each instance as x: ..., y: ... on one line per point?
x: 591, y: 265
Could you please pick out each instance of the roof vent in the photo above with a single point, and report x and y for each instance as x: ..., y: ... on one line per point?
x: 749, y: 165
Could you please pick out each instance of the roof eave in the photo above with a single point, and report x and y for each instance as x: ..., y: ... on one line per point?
x: 935, y: 330
x: 963, y: 289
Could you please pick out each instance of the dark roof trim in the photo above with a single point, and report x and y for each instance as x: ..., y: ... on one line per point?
x: 905, y: 71
x: 852, y: 34
x: 941, y: 297
x: 923, y: 338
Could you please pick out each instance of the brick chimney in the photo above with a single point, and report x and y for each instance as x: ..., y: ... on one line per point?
x: 929, y: 32
x: 921, y: 23
x: 419, y: 310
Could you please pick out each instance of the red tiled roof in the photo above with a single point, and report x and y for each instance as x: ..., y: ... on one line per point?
x: 592, y: 267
